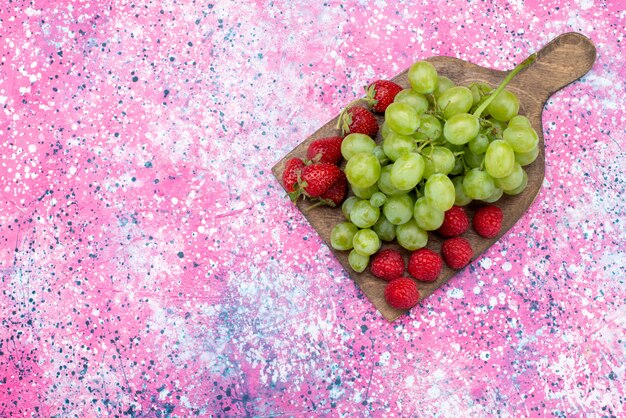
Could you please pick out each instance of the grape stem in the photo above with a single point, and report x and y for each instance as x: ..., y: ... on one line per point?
x: 465, y: 166
x: 434, y: 99
x: 424, y: 145
x: 506, y: 81
x: 318, y: 203
x: 486, y: 123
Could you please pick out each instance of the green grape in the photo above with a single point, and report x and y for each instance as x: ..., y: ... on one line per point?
x: 495, y: 196
x: 366, y: 242
x: 478, y: 185
x: 357, y: 261
x: 378, y: 199
x: 430, y: 126
x: 499, y: 126
x: 429, y: 168
x: 444, y: 84
x: 461, y: 128
x: 504, y: 106
x: 460, y: 198
x: 363, y: 214
x: 411, y: 236
x: 458, y: 167
x: 379, y: 152
x: 496, y: 130
x: 395, y: 145
x: 476, y: 94
x: 441, y: 158
x: 439, y: 192
x: 513, y: 180
x: 342, y: 235
x: 427, y: 217
x: 479, y: 90
x: 356, y: 143
x: 423, y: 77
x: 347, y: 206
x: 363, y: 169
x: 520, y: 120
x: 398, y: 209
x: 418, y: 101
x: 384, y: 182
x: 499, y: 159
x: 520, y: 138
x: 385, y: 230
x: 407, y: 171
x: 479, y: 144
x: 519, y: 188
x: 525, y: 158
x: 402, y: 118
x: 473, y: 160
x: 455, y: 100
x: 365, y: 192
x: 419, y: 137
x: 384, y: 130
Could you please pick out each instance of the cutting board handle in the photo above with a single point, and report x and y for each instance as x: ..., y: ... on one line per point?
x: 565, y: 59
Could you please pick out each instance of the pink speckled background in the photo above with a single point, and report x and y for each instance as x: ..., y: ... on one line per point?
x: 152, y: 266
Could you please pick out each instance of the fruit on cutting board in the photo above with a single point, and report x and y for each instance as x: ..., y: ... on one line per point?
x: 402, y: 293
x: 457, y: 121
x: 441, y: 147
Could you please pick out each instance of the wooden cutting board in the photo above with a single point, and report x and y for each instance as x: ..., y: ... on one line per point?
x: 562, y: 61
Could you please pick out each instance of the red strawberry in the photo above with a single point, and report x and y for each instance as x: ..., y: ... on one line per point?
x: 488, y: 221
x: 425, y: 265
x: 358, y: 119
x: 402, y: 293
x: 380, y: 94
x: 457, y: 252
x: 455, y: 222
x: 325, y: 150
x: 387, y: 265
x: 317, y: 178
x: 293, y: 168
x: 337, y: 192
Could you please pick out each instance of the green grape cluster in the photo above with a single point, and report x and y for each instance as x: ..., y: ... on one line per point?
x: 442, y: 145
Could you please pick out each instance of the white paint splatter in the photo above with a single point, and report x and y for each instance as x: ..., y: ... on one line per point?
x: 455, y: 293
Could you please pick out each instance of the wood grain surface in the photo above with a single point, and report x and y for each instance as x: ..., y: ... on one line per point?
x: 562, y: 61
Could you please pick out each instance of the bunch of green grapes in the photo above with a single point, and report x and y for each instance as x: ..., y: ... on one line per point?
x: 442, y: 145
